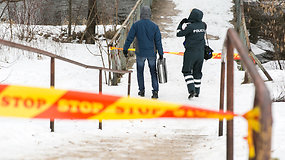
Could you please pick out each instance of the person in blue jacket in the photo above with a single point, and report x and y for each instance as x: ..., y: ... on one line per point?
x: 194, y: 44
x: 148, y: 42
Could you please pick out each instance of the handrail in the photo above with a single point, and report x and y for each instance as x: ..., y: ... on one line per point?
x: 124, y: 23
x: 117, y: 59
x: 39, y: 51
x: 262, y: 139
x: 52, y: 68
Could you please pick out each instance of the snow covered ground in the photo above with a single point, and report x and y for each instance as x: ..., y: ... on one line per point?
x: 32, y: 139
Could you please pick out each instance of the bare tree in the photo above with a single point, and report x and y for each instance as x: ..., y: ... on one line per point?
x: 69, y: 17
x: 266, y: 20
x: 91, y: 21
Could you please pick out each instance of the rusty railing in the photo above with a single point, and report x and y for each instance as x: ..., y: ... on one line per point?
x: 262, y: 139
x: 52, y: 69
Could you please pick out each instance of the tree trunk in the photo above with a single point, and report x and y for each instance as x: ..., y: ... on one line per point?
x: 91, y: 22
x: 10, y: 20
x: 69, y: 17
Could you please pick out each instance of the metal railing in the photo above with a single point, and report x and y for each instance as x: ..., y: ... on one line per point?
x: 118, y: 60
x: 262, y: 139
x: 52, y: 68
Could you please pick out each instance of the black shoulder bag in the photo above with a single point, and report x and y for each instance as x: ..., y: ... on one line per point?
x: 208, y: 53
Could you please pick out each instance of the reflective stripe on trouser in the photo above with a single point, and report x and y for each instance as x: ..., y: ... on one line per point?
x: 189, y: 81
x: 192, y: 66
x: 197, y: 84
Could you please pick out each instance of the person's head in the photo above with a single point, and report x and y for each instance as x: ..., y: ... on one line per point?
x: 145, y: 12
x: 195, y: 16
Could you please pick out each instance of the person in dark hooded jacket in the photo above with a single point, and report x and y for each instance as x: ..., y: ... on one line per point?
x: 194, y: 44
x: 148, y: 42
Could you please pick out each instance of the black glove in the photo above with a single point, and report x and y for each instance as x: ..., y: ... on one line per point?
x: 125, y: 53
x: 185, y: 20
x: 160, y: 57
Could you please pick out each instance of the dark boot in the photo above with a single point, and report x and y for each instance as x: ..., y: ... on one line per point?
x: 191, y: 95
x: 141, y: 93
x: 197, y: 91
x: 154, y: 94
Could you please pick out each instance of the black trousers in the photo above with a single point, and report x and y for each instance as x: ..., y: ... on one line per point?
x: 192, y: 68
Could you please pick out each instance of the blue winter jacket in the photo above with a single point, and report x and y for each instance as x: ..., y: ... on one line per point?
x: 147, y: 34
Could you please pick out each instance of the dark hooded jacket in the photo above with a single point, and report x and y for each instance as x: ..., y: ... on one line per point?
x: 147, y: 34
x: 195, y: 30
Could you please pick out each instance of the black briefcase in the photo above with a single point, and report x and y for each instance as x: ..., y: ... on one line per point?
x: 161, y: 70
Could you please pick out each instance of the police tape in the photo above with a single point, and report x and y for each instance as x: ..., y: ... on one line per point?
x: 32, y: 102
x: 252, y: 118
x: 50, y: 103
x: 215, y: 55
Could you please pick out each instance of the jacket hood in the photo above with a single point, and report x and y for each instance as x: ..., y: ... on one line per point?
x: 195, y: 16
x: 145, y: 12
